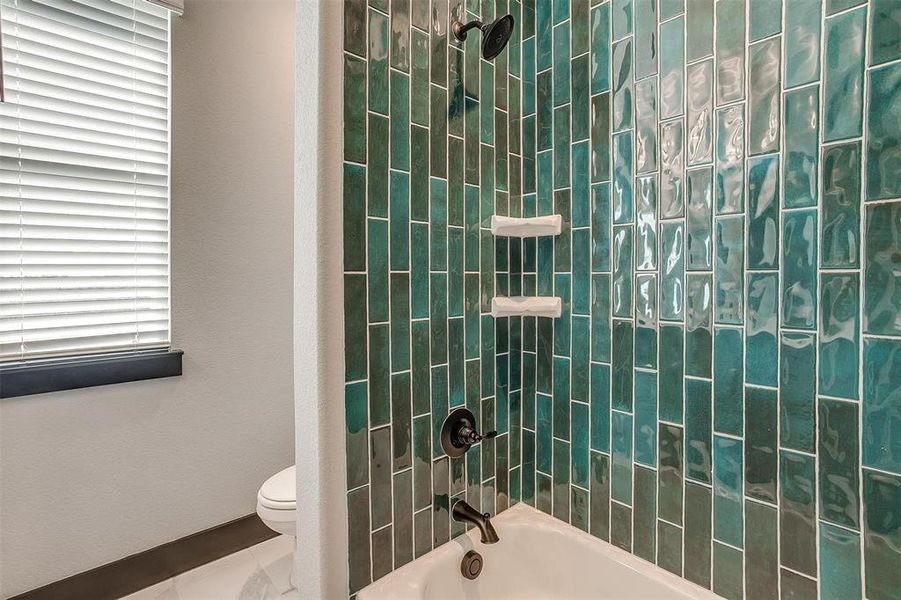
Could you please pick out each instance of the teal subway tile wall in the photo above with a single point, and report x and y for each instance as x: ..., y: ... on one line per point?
x: 722, y: 394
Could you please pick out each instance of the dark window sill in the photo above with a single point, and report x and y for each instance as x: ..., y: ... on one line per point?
x: 72, y: 373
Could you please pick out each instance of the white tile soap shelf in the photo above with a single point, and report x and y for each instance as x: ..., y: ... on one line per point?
x: 526, y: 306
x: 526, y: 226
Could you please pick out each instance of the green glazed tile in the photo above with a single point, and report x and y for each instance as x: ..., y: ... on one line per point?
x: 419, y: 79
x: 840, y: 334
x: 401, y: 422
x: 354, y: 109
x: 671, y: 372
x: 422, y: 533
x: 600, y: 133
x: 672, y: 162
x: 419, y: 271
x: 383, y: 559
x: 765, y: 18
x: 644, y: 512
x: 419, y: 173
x: 581, y: 201
x: 728, y: 378
x: 562, y: 329
x: 354, y: 217
x: 622, y: 178
x: 439, y: 406
x: 727, y: 491
x: 669, y: 483
x: 699, y: 92
x: 581, y: 109
x: 579, y: 448
x: 489, y: 447
x: 600, y: 317
x: 471, y: 142
x: 761, y: 443
x: 699, y: 221
x: 671, y: 8
x: 802, y: 42
x: 761, y: 550
x: 882, y: 292
x: 358, y: 527
x: 581, y: 269
x: 646, y: 223
x: 356, y: 421
x: 646, y: 125
x: 545, y: 183
x: 400, y: 120
x: 839, y: 462
x: 561, y: 407
x: 561, y: 10
x: 600, y: 48
x: 400, y: 321
x: 561, y: 146
x: 440, y: 501
x: 543, y: 35
x: 885, y: 28
x: 600, y: 227
x: 599, y: 491
x: 799, y: 279
x: 471, y: 229
x: 797, y: 512
x: 543, y: 492
x: 622, y: 271
x: 472, y: 78
x: 621, y: 18
x: 698, y: 334
x: 834, y: 6
x: 528, y: 76
x: 881, y: 414
x: 764, y: 101
x: 561, y: 64
x: 730, y: 52
x: 730, y: 170
x: 621, y: 441
x: 545, y: 353
x: 797, y: 384
x: 420, y: 349
x: 621, y: 526
x: 622, y: 365
x: 560, y: 497
x: 762, y: 321
x: 438, y: 41
x: 699, y: 30
x: 544, y: 435
x: 400, y: 36
x: 380, y: 476
x: 399, y: 223
x: 697, y: 430
x: 727, y: 572
x: 438, y: 315
x: 645, y: 418
x: 377, y: 63
x: 456, y: 102
x: 486, y: 105
x: 563, y: 242
x: 377, y: 170
x: 438, y: 133
x: 646, y: 321
x: 579, y: 506
x: 839, y: 563
x: 729, y: 278
x: 438, y: 224
x: 844, y: 75
x: 763, y: 212
x: 600, y: 407
x: 645, y: 23
x: 487, y: 194
x: 580, y: 26
x: 669, y: 547
x: 355, y: 27
x: 355, y: 330
x: 672, y: 265
x: 698, y: 530
x: 883, y: 145
x: 377, y: 234
x: 882, y: 534
x: 622, y: 85
x: 672, y: 59
x: 840, y: 241
x: 455, y: 272
x: 799, y: 186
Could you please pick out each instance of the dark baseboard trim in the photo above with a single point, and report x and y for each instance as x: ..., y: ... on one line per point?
x: 135, y: 572
x: 75, y: 372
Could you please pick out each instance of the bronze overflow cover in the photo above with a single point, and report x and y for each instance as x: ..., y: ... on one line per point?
x: 471, y: 566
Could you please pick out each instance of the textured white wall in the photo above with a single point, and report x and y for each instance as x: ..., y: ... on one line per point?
x: 90, y: 476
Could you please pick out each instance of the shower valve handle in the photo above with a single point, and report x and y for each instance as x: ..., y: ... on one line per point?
x: 459, y: 433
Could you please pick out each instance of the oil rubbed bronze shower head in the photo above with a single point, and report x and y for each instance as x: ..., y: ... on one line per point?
x: 495, y: 35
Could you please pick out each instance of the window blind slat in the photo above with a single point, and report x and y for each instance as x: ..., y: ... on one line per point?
x: 84, y: 178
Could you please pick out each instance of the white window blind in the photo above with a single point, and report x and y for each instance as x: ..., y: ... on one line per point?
x: 84, y: 177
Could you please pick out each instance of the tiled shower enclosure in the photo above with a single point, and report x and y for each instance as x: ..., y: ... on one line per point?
x: 722, y: 395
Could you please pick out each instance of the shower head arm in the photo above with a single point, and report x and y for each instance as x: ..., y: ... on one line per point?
x: 460, y: 29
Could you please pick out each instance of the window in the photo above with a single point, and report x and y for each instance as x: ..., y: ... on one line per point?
x: 84, y: 178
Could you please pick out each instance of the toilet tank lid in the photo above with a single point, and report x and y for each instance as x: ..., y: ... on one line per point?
x: 281, y: 487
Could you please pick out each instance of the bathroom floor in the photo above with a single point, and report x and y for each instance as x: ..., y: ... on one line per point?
x: 261, y: 572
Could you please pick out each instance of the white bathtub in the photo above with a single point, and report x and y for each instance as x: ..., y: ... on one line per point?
x: 538, y: 557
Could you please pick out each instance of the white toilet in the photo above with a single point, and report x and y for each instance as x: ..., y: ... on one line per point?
x: 277, y: 502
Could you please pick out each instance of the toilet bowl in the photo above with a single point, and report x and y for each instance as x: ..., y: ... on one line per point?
x: 277, y: 502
